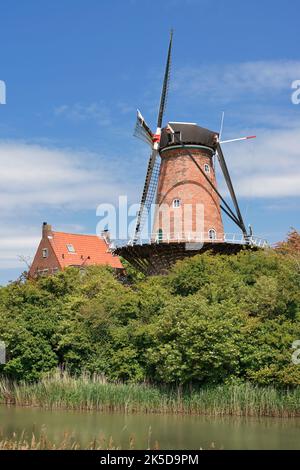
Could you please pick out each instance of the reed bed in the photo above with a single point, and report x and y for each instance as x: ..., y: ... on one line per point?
x: 94, y: 393
x: 24, y: 441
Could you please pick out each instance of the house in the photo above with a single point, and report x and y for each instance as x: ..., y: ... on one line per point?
x: 57, y: 250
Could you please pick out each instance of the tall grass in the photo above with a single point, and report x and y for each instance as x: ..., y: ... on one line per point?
x: 24, y: 441
x: 93, y: 393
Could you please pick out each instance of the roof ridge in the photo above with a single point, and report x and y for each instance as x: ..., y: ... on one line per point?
x: 79, y: 234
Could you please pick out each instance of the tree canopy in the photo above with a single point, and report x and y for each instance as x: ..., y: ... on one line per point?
x: 212, y: 319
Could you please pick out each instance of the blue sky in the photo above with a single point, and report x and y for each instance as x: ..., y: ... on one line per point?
x: 75, y: 72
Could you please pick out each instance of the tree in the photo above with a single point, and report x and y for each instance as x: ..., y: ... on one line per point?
x: 291, y: 246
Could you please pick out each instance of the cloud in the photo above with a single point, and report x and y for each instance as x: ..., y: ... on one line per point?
x: 35, y: 176
x: 227, y: 82
x: 267, y: 167
x: 283, y: 205
x: 78, y: 112
x: 17, y: 240
x: 125, y: 108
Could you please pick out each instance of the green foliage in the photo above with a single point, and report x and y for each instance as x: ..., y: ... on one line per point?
x: 213, y: 319
x: 196, y: 342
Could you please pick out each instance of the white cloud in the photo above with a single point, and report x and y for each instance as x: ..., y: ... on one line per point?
x: 35, y: 176
x: 269, y: 186
x: 226, y: 82
x: 97, y: 112
x: 17, y: 241
x: 267, y: 167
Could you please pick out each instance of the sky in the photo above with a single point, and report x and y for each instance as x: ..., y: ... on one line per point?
x: 76, y: 70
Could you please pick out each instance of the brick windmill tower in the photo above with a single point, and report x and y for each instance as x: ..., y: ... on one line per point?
x: 187, y: 206
x: 181, y: 181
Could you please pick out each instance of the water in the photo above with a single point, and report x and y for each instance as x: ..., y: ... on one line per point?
x: 170, y: 431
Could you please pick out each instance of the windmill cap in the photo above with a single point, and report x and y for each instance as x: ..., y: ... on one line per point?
x: 190, y: 134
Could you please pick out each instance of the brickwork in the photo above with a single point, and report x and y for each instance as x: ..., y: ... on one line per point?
x: 180, y: 179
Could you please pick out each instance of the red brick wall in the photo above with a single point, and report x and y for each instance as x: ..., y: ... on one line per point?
x: 180, y: 178
x: 40, y: 263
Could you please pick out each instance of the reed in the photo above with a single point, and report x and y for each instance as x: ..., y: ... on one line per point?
x: 41, y: 441
x: 94, y: 393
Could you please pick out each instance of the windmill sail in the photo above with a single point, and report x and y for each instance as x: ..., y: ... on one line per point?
x: 164, y: 93
x: 226, y: 174
x: 143, y: 131
x: 148, y: 194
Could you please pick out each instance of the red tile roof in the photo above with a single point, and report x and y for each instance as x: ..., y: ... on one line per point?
x: 89, y: 249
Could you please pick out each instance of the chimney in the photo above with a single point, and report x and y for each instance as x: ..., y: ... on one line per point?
x: 46, y: 230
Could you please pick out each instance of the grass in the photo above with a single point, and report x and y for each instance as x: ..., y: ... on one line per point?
x: 42, y: 442
x: 94, y: 393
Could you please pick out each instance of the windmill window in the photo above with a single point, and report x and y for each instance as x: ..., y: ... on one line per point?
x: 206, y: 168
x: 45, y: 253
x: 212, y: 234
x: 176, y: 203
x: 70, y: 248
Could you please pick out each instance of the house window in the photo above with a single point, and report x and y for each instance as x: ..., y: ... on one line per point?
x: 45, y: 253
x: 42, y: 272
x: 70, y: 248
x: 206, y: 168
x: 176, y: 203
x: 212, y: 234
x: 159, y: 235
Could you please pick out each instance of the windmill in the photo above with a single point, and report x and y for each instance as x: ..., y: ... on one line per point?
x: 181, y: 172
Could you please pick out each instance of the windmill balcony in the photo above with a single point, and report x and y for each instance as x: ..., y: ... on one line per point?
x: 156, y: 254
x: 233, y: 238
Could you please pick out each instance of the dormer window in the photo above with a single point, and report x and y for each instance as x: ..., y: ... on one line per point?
x: 177, y: 137
x: 71, y: 248
x: 45, y: 252
x: 206, y: 168
x: 174, y: 137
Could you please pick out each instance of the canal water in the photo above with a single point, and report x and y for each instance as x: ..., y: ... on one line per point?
x: 168, y: 431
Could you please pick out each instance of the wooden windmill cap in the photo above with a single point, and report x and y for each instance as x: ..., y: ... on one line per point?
x: 187, y: 133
